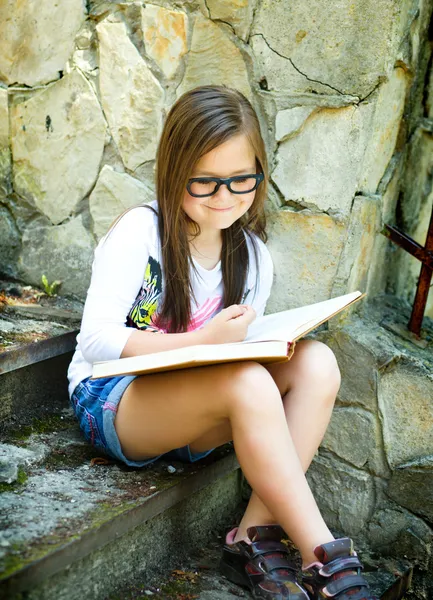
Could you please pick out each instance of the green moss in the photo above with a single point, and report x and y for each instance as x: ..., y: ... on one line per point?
x: 13, y: 561
x: 48, y: 424
x: 20, y: 555
x: 22, y: 476
x: 171, y: 589
x: 15, y: 485
x: 168, y: 590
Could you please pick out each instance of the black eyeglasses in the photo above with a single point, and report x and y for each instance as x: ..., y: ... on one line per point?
x: 200, y: 187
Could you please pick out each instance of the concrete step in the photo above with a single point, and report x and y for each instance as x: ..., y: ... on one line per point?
x: 74, y: 528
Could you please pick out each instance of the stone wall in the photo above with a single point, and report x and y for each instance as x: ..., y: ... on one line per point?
x: 373, y: 476
x: 85, y: 87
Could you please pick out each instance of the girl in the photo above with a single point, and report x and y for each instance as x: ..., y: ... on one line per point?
x: 192, y: 268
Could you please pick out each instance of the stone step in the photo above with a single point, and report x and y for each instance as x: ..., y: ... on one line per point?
x: 33, y: 380
x: 75, y: 526
x: 36, y: 345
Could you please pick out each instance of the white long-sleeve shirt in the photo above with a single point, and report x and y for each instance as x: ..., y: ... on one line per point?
x: 127, y: 286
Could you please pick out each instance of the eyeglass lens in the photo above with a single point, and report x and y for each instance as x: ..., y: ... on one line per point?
x: 204, y: 187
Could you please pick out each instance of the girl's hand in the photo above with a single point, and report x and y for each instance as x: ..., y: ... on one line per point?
x: 230, y: 325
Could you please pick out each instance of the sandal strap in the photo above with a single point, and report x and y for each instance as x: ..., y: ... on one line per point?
x: 333, y: 588
x: 340, y: 564
x: 266, y: 532
x: 274, y: 562
x: 266, y: 546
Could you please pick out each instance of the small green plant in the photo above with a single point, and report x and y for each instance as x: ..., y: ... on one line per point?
x: 50, y: 289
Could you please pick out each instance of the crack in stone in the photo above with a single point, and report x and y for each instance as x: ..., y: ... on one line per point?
x: 218, y: 20
x: 295, y: 67
x: 378, y: 84
x: 253, y: 18
x: 365, y: 468
x: 208, y: 9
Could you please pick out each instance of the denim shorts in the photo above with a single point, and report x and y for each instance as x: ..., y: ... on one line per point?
x: 95, y: 403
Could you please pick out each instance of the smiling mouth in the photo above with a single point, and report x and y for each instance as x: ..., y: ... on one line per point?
x: 221, y: 209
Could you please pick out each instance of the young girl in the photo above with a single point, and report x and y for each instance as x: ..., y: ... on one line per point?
x: 192, y: 268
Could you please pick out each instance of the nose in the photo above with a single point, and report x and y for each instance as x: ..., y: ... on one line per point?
x: 223, y: 193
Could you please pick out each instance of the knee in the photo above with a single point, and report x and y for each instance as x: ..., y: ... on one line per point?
x: 251, y: 386
x: 320, y: 365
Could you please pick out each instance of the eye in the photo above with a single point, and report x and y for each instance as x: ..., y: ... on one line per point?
x: 203, y: 181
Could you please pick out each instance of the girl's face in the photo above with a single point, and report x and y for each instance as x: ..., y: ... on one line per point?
x: 234, y: 157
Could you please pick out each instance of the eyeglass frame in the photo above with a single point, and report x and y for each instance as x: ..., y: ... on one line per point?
x: 227, y: 181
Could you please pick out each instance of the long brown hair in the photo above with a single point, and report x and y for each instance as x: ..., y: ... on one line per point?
x: 199, y: 121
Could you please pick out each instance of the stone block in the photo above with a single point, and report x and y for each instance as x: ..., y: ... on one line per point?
x: 113, y: 193
x: 321, y: 164
x: 345, y: 495
x: 358, y: 369
x: 429, y: 99
x: 305, y: 248
x: 37, y: 39
x: 36, y: 391
x: 131, y: 96
x: 62, y: 252
x: 405, y: 396
x: 58, y: 138
x: 164, y: 36
x: 393, y: 531
x: 214, y: 59
x: 5, y: 151
x: 363, y: 349
x: 379, y: 266
x: 354, y: 435
x: 347, y: 48
x: 278, y: 72
x: 13, y: 457
x: 388, y: 111
x: 10, y: 243
x: 411, y: 486
x: 238, y: 13
x: 85, y: 56
x: 290, y: 120
x: 357, y: 256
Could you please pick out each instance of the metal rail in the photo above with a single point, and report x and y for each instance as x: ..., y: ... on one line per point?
x: 423, y: 254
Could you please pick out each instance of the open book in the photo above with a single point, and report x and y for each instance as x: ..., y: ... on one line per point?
x: 270, y: 339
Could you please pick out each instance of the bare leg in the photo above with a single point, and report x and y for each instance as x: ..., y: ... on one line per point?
x: 308, y: 384
x: 164, y: 411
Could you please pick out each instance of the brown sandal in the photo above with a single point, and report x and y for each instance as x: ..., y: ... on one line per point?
x: 264, y: 565
x: 337, y: 575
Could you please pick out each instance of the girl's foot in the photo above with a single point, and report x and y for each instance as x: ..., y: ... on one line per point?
x: 262, y: 564
x: 336, y: 574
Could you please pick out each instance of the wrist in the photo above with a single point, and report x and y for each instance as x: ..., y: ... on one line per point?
x: 201, y: 337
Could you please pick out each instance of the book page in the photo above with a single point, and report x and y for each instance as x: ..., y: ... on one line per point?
x: 290, y: 324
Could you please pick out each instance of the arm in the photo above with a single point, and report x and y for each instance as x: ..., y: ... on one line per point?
x: 229, y: 325
x: 117, y: 275
x: 146, y: 342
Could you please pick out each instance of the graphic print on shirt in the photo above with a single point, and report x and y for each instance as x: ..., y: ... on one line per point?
x: 143, y: 314
x: 207, y: 310
x: 146, y: 303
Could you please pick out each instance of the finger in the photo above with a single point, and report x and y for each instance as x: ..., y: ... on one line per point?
x: 248, y: 316
x: 234, y: 311
x: 249, y: 310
